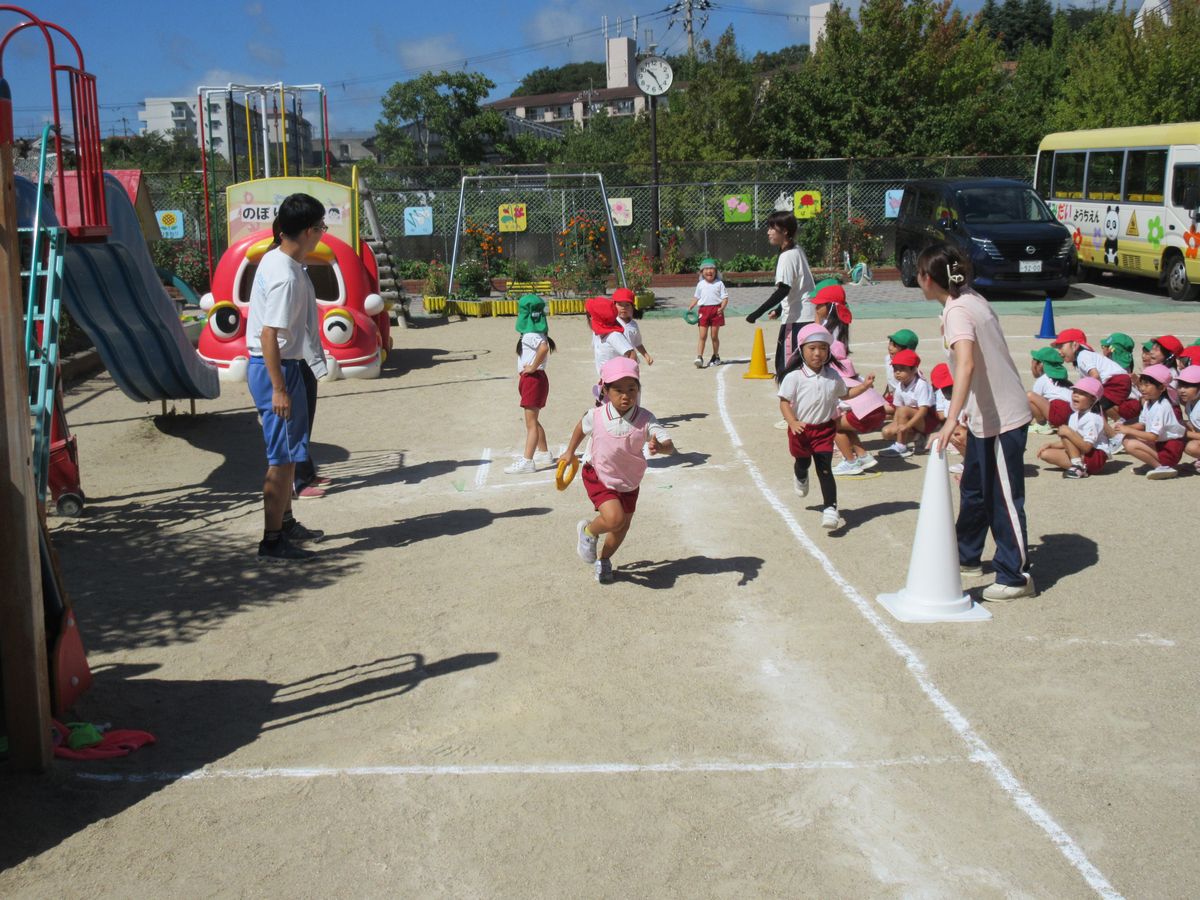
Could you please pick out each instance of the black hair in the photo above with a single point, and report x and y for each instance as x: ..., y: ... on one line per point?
x: 947, y: 266
x: 836, y: 327
x: 549, y: 340
x: 796, y: 360
x: 1062, y: 382
x: 297, y: 213
x: 785, y: 222
x: 1169, y: 359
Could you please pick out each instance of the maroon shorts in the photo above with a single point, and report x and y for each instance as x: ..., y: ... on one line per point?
x: 599, y: 493
x: 1094, y: 461
x: 1116, y: 391
x: 711, y: 315
x: 815, y: 439
x: 1129, y: 408
x: 1169, y: 452
x: 873, y: 421
x: 932, y: 423
x: 1059, y: 413
x: 534, y: 390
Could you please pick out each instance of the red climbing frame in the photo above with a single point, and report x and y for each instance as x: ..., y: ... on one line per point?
x: 82, y: 212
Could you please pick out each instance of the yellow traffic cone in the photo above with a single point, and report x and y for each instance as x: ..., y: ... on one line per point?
x: 758, y: 358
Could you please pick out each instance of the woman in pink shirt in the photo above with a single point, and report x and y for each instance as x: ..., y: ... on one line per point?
x: 988, y: 388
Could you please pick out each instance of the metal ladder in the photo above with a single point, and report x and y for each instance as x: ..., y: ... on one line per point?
x: 389, y: 286
x: 42, y: 309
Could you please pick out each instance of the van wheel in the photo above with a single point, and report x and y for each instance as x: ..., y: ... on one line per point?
x: 1178, y: 286
x: 908, y: 267
x: 1059, y: 293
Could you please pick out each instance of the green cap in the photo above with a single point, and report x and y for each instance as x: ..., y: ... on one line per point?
x: 1148, y: 346
x: 904, y: 338
x: 1055, y: 370
x: 826, y: 282
x: 531, y: 314
x: 1118, y: 339
x: 708, y: 263
x: 1195, y: 343
x: 1048, y: 356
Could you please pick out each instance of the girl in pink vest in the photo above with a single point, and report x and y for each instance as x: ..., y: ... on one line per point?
x: 613, y: 464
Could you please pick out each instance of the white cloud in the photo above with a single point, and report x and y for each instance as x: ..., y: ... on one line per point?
x: 267, y: 55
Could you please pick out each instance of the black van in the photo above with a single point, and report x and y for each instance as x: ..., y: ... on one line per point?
x: 1003, y: 226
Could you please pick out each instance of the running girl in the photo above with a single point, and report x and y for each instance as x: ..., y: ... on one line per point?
x: 533, y: 347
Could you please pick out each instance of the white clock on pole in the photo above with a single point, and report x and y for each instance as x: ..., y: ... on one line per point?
x: 654, y: 75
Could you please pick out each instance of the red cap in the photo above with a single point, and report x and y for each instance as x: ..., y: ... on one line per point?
x: 1191, y: 354
x: 603, y: 313
x: 836, y: 295
x: 906, y: 358
x: 1170, y: 343
x: 940, y: 377
x: 1071, y: 334
x: 623, y: 295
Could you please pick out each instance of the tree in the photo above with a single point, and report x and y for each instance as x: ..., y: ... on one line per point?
x: 437, y: 109
x: 769, y: 61
x: 155, y: 152
x: 577, y: 76
x: 606, y: 139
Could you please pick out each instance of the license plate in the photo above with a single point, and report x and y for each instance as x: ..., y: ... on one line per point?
x: 1030, y: 265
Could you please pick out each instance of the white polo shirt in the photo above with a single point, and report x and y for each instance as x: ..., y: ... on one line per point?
x: 711, y: 293
x: 530, y: 342
x: 1159, y: 419
x: 813, y: 396
x: 917, y: 392
x: 792, y: 269
x: 1087, y: 361
x: 1047, y: 387
x: 1089, y: 425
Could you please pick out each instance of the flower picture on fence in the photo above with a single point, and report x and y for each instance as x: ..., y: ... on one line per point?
x: 621, y: 210
x: 737, y: 208
x: 806, y: 204
x: 512, y: 217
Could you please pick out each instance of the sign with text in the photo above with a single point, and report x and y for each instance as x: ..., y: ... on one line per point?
x: 170, y: 223
x: 253, y: 205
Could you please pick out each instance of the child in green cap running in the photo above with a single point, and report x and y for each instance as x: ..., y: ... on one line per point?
x: 712, y: 298
x: 533, y: 347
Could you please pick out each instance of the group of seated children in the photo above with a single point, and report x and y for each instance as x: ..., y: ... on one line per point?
x: 1152, y: 416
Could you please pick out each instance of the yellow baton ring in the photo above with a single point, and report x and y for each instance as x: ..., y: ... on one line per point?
x: 561, y: 482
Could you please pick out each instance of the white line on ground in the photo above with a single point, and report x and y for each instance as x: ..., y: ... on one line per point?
x: 481, y: 474
x: 1142, y: 640
x: 980, y: 751
x: 675, y: 767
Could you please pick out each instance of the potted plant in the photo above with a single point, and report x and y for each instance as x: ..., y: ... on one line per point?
x: 639, y: 269
x: 436, y: 287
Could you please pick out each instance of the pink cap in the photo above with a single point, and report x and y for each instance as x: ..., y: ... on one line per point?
x: 1190, y: 375
x: 1089, y: 385
x: 1159, y: 373
x: 838, y: 349
x: 812, y: 333
x: 618, y: 368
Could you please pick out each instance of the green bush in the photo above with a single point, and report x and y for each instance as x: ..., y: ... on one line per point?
x: 473, y: 279
x: 411, y: 269
x: 749, y: 262
x: 186, y: 259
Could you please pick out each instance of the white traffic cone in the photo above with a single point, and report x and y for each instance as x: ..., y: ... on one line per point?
x: 934, y: 591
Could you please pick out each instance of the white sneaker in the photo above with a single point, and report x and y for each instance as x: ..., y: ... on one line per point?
x: 587, y: 544
x: 1043, y: 428
x: 699, y: 363
x: 1160, y: 472
x: 830, y: 518
x: 521, y: 467
x: 897, y: 451
x: 1002, y: 593
x: 867, y: 461
x: 1117, y: 442
x: 801, y: 485
x: 543, y: 459
x: 956, y: 469
x: 848, y: 467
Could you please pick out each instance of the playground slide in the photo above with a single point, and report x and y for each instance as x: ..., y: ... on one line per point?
x: 113, y: 292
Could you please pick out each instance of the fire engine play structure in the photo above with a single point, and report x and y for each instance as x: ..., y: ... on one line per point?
x: 345, y: 270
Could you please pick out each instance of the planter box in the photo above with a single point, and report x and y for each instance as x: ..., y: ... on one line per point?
x: 504, y: 307
x: 434, y: 305
x: 473, y: 308
x: 643, y: 300
x: 567, y: 307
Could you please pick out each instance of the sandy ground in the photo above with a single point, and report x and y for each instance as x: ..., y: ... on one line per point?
x: 447, y: 704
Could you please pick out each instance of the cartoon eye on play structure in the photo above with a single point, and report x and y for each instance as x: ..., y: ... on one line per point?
x: 338, y: 327
x: 225, y: 320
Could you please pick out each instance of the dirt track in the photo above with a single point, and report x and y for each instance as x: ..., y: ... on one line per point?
x: 447, y: 704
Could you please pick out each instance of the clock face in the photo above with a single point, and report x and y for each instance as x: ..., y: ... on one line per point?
x: 654, y: 75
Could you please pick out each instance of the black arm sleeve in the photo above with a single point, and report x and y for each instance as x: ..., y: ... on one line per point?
x: 781, y: 291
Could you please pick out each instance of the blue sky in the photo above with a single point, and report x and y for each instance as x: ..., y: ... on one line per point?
x: 140, y: 48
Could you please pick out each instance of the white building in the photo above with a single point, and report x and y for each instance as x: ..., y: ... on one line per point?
x: 817, y: 13
x: 225, y: 126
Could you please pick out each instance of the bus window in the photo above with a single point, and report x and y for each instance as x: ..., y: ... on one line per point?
x: 1045, y: 163
x: 1185, y: 187
x: 1104, y: 175
x: 1145, y: 175
x: 1068, y: 175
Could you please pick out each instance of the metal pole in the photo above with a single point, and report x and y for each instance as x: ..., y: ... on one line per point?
x: 462, y: 192
x: 612, y: 232
x: 656, y: 252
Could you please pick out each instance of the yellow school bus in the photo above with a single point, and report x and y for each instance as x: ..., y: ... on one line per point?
x: 1130, y: 197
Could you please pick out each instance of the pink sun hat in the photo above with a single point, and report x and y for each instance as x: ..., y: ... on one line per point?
x: 1159, y: 373
x: 1189, y: 375
x: 1089, y: 385
x: 813, y: 333
x: 620, y: 367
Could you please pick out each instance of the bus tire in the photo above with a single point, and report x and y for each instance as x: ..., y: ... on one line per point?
x: 1179, y: 287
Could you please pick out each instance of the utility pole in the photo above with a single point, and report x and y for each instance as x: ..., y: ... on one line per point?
x: 687, y: 28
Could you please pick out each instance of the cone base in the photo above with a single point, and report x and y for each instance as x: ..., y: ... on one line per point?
x: 760, y: 377
x: 1046, y: 337
x: 909, y: 609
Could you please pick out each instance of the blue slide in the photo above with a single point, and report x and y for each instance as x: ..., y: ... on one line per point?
x: 111, y: 289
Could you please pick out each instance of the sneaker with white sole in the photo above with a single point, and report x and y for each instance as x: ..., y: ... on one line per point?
x: 830, y: 518
x: 521, y: 467
x: 715, y: 361
x: 971, y: 571
x: 604, y: 571
x: 897, y: 451
x: 1160, y: 472
x: 848, y: 467
x: 699, y: 363
x: 867, y: 461
x: 541, y: 460
x: 801, y: 485
x: 1003, y: 593
x: 1042, y: 428
x: 956, y: 469
x: 586, y: 548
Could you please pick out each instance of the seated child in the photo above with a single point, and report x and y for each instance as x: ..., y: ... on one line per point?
x: 1083, y: 446
x: 1050, y: 398
x: 912, y: 401
x: 943, y: 387
x: 1072, y: 344
x: 1157, y: 437
x: 1189, y: 394
x: 858, y: 415
x: 904, y: 339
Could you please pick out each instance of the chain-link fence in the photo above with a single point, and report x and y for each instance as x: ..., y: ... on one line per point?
x: 712, y: 208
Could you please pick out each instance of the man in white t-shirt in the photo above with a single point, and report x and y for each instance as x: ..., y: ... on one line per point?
x: 281, y: 304
x: 988, y: 387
